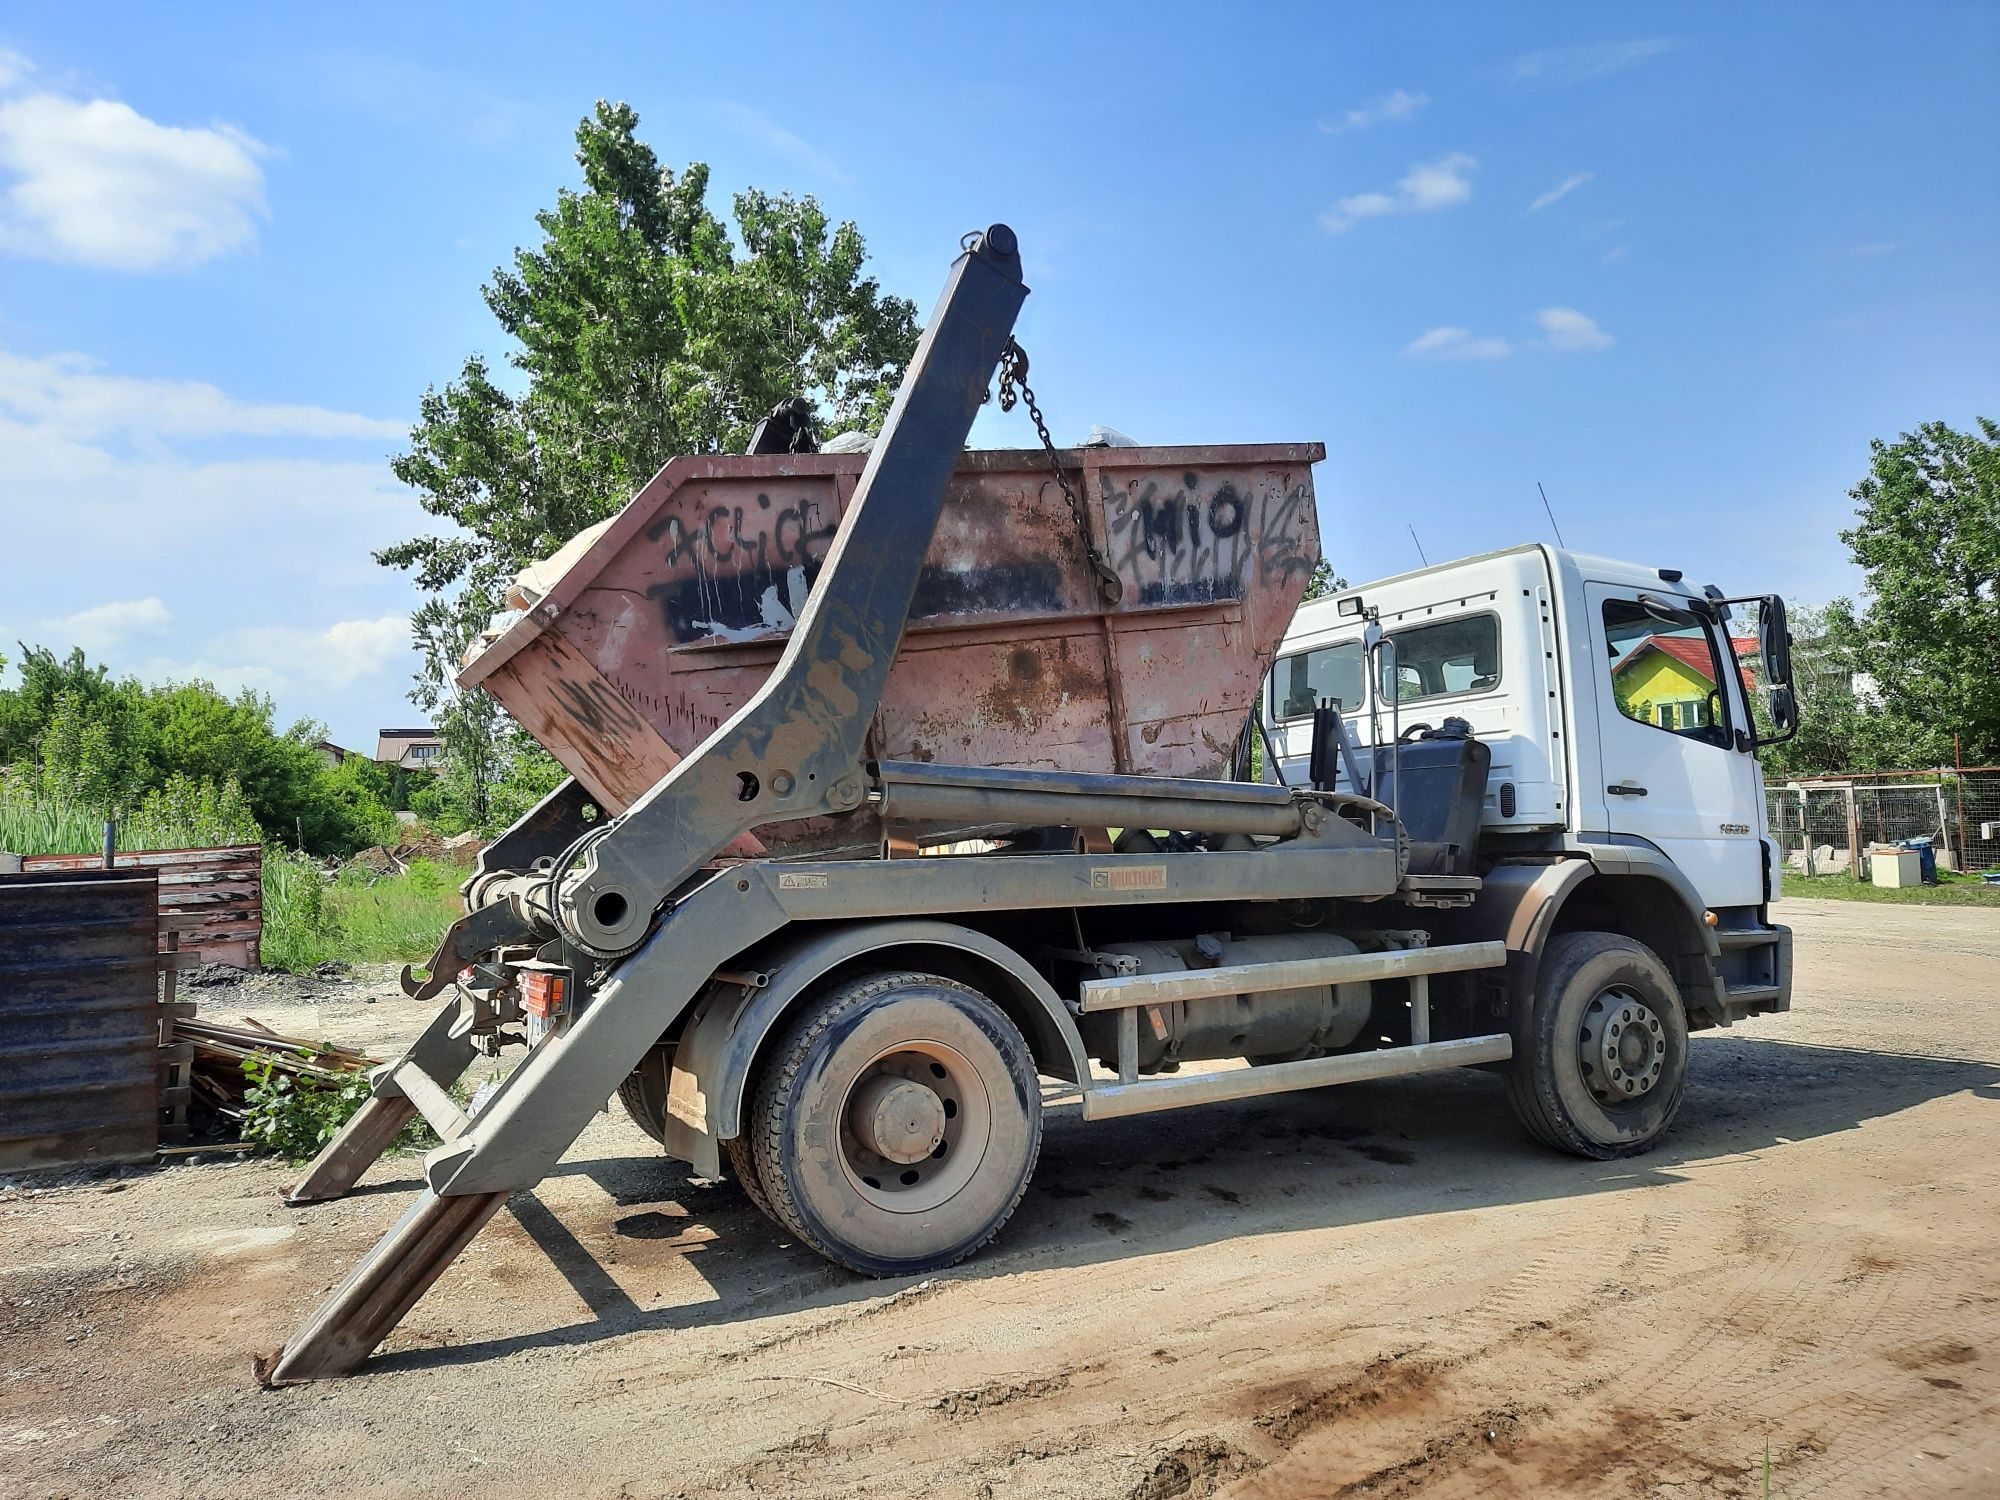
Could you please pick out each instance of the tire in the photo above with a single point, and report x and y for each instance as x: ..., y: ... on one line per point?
x: 1601, y: 1062
x: 648, y: 1110
x: 896, y: 1123
x: 743, y: 1167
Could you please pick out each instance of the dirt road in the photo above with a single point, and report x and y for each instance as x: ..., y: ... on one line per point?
x: 1380, y: 1290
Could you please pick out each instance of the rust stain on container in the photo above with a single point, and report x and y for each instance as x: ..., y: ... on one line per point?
x: 668, y: 621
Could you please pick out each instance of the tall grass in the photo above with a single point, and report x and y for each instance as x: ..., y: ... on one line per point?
x: 310, y: 917
x: 182, y: 814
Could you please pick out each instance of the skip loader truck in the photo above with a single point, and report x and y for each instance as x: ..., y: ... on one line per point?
x: 907, y: 779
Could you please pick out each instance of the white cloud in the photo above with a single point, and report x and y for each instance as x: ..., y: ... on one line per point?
x: 1397, y: 106
x: 1457, y: 344
x: 1873, y: 250
x: 13, y: 68
x: 761, y: 130
x: 1560, y: 191
x: 233, y: 536
x: 276, y: 657
x: 103, y: 626
x: 1581, y: 64
x: 1616, y: 253
x: 93, y: 463
x: 93, y: 181
x: 1426, y: 187
x: 68, y: 394
x: 1569, y: 330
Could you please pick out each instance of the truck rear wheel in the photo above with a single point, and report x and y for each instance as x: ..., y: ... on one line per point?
x: 896, y: 1123
x: 1602, y: 1068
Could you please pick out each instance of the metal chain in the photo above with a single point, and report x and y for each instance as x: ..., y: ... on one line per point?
x: 1014, y: 374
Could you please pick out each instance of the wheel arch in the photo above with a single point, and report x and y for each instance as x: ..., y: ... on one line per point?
x: 1645, y: 898
x: 725, y: 1037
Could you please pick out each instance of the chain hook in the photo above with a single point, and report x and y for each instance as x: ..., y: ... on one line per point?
x: 1014, y: 386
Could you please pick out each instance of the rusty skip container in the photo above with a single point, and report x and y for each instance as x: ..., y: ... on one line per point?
x: 644, y: 634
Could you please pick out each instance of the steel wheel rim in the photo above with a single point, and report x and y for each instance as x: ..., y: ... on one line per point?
x: 891, y: 1084
x: 1621, y: 1048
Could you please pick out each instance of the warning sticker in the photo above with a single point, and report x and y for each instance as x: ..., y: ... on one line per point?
x: 802, y: 880
x: 1128, y: 877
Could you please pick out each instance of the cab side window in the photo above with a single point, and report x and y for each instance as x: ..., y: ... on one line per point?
x: 1664, y: 669
x: 1301, y: 682
x: 1445, y: 659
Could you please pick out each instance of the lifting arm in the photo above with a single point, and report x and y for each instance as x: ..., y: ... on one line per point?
x: 795, y: 749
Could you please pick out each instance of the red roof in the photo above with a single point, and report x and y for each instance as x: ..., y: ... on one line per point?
x: 1693, y: 655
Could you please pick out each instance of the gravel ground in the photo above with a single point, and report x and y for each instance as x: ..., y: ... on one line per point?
x: 1380, y: 1289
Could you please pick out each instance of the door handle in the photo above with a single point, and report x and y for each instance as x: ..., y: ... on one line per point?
x: 1625, y: 789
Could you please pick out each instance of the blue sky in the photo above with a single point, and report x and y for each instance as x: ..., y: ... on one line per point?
x: 1677, y: 263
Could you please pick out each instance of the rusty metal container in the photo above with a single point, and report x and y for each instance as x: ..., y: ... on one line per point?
x: 642, y: 636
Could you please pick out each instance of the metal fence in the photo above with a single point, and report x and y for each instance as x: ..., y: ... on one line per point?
x: 1825, y: 823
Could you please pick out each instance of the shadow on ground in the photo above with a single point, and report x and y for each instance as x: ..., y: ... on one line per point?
x: 1129, y: 1188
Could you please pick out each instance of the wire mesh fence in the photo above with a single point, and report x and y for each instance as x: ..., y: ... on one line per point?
x: 1826, y: 824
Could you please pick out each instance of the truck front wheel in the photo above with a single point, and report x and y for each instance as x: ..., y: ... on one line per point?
x: 896, y: 1122
x: 1601, y: 1065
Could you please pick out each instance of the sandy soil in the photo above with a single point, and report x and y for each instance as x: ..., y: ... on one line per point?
x: 1380, y: 1290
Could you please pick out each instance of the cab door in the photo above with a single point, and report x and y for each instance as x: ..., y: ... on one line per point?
x: 1670, y: 770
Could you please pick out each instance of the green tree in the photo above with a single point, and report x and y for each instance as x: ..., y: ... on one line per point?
x: 26, y: 711
x: 92, y: 749
x: 1928, y: 636
x: 1836, y: 730
x: 1324, y: 581
x: 532, y: 773
x: 639, y: 329
x: 181, y: 756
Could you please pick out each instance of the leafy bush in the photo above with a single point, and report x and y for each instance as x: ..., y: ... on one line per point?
x: 297, y: 932
x: 79, y: 741
x: 293, y: 1116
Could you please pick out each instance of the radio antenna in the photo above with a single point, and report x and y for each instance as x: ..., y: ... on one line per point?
x: 1552, y: 515
x: 1420, y: 547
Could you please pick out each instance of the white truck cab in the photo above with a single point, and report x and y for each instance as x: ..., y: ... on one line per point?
x: 1616, y: 701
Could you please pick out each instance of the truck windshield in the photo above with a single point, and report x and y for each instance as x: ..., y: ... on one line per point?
x: 1301, y: 682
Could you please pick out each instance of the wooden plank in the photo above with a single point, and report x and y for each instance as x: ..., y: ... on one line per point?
x: 148, y: 858
x: 211, y: 900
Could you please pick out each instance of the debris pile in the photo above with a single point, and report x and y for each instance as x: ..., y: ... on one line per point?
x: 460, y: 848
x: 221, y: 1050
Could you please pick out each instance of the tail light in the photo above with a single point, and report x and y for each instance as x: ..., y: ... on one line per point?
x: 544, y: 992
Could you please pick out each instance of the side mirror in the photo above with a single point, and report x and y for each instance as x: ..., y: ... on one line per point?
x: 1784, y: 713
x: 1774, y: 644
x: 1774, y: 641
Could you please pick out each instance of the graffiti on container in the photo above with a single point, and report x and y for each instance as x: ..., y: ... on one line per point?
x: 740, y: 571
x: 1182, y: 546
x: 973, y: 589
